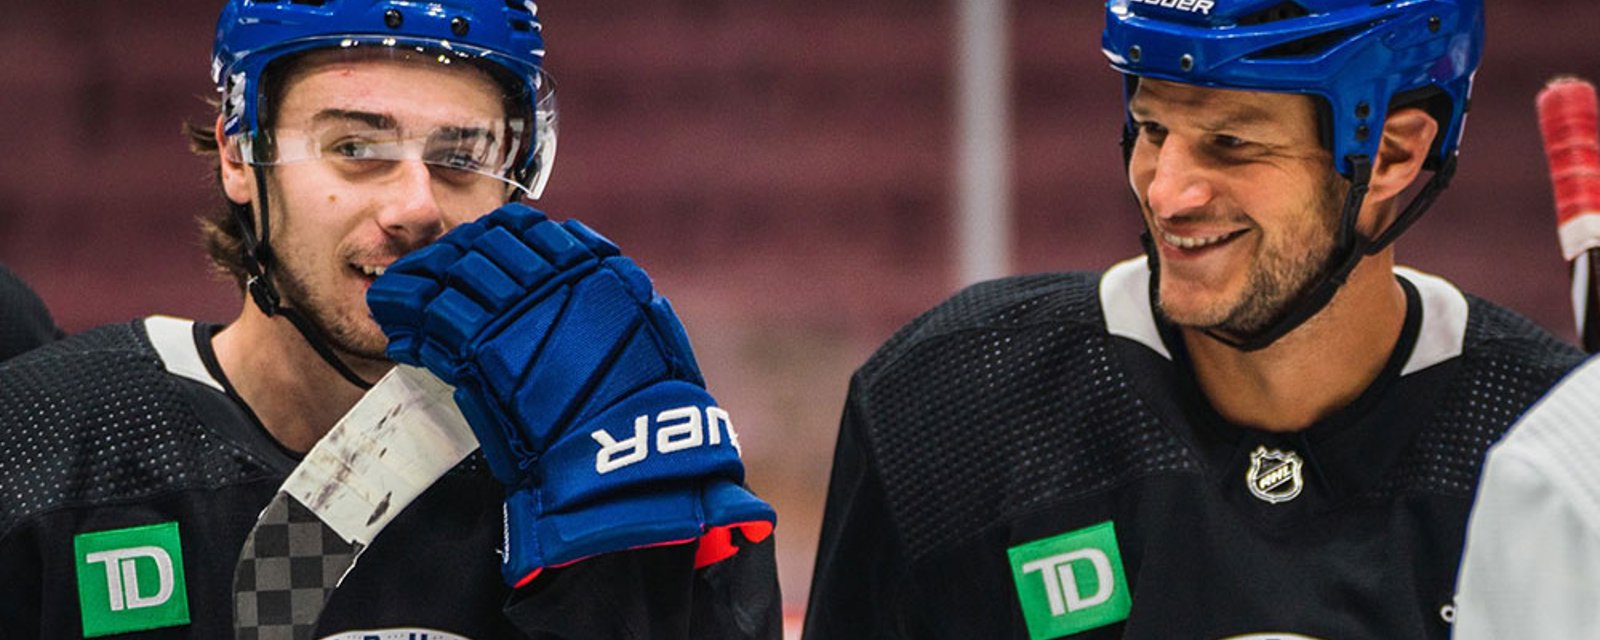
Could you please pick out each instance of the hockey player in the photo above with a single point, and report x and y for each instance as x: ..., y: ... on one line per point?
x: 1260, y: 429
x: 1533, y: 547
x: 360, y: 145
x: 25, y: 322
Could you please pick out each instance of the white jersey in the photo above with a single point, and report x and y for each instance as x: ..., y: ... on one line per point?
x: 1531, y: 568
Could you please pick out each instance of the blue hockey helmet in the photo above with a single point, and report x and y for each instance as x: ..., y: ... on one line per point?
x: 1360, y: 57
x: 504, y: 35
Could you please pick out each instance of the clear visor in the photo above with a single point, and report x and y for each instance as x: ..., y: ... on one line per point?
x: 463, y: 152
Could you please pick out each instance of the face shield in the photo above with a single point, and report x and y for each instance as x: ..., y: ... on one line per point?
x: 509, y: 148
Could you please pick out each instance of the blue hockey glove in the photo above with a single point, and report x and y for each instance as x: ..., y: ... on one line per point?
x: 580, y: 385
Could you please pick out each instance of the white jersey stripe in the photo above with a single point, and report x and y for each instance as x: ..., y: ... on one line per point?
x: 1125, y: 299
x: 173, y: 339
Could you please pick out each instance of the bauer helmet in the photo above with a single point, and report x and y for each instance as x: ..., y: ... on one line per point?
x: 503, y: 36
x: 1359, y: 57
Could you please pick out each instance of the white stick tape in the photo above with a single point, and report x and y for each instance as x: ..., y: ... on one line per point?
x: 400, y: 438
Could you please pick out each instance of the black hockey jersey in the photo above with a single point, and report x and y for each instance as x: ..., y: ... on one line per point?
x: 1033, y: 459
x: 130, y: 474
x: 25, y: 323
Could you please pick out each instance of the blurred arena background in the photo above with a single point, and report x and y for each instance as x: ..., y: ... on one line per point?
x: 784, y: 169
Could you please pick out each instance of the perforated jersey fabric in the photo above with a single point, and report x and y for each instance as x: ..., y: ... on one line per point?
x: 124, y: 413
x: 1019, y: 412
x: 97, y: 435
x: 1510, y: 368
x: 1031, y: 356
x: 1530, y: 568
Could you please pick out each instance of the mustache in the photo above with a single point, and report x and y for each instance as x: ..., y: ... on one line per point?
x: 387, y: 251
x: 1199, y: 216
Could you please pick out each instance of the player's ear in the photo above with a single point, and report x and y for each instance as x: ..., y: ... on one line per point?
x: 237, y: 179
x: 1407, y: 138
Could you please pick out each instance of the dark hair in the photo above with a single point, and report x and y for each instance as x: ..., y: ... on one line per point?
x: 219, y: 231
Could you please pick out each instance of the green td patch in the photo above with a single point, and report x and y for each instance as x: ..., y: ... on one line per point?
x: 1071, y: 582
x: 131, y: 579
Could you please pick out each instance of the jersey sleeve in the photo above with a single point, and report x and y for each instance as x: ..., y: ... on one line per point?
x: 1531, y: 567
x: 860, y: 566
x: 655, y: 593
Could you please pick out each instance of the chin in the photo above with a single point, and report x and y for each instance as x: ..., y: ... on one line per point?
x: 1188, y: 312
x: 373, y: 347
x: 360, y: 337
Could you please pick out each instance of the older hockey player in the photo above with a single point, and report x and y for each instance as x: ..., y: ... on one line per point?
x: 1260, y: 429
x: 360, y: 145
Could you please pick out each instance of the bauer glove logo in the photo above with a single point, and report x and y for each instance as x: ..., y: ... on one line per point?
x: 676, y: 430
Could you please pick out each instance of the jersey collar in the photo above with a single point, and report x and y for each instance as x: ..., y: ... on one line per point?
x: 174, y: 340
x: 1127, y: 301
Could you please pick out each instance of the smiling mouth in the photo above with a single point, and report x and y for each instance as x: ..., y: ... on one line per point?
x: 371, y: 270
x: 1187, y: 242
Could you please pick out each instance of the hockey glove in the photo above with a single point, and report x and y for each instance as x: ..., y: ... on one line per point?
x: 580, y: 385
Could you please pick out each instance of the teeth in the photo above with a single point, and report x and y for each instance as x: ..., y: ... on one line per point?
x: 372, y: 271
x: 1193, y: 243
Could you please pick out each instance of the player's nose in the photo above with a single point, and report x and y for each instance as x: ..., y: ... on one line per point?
x: 1178, y: 184
x: 411, y: 211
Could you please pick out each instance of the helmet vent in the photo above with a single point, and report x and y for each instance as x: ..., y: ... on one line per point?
x: 1309, y: 46
x: 314, y: 3
x: 521, y: 15
x: 1283, y: 11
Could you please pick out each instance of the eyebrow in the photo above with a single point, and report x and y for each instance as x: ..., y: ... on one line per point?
x: 374, y: 120
x: 1240, y: 116
x: 386, y: 121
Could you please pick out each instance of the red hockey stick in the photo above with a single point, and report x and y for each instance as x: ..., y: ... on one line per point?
x: 1568, y: 122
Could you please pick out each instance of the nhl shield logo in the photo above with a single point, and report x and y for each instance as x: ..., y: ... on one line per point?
x: 1274, y: 475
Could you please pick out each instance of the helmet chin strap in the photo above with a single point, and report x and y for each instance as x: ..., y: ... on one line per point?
x: 1348, y: 251
x: 258, y: 260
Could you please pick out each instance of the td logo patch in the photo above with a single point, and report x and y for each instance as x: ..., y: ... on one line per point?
x: 131, y: 579
x: 1071, y: 582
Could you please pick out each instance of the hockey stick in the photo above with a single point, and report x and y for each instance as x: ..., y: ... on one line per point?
x: 1568, y: 122
x: 403, y: 435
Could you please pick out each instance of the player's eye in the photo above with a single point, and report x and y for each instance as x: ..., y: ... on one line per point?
x: 1151, y: 132
x: 461, y: 161
x: 469, y: 153
x: 357, y: 156
x: 1229, y: 142
x: 353, y: 149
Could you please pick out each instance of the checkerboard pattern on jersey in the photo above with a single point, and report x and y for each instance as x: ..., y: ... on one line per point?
x: 289, y: 565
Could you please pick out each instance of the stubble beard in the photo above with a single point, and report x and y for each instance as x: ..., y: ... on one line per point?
x: 1283, y: 274
x: 348, y: 328
x: 347, y: 333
